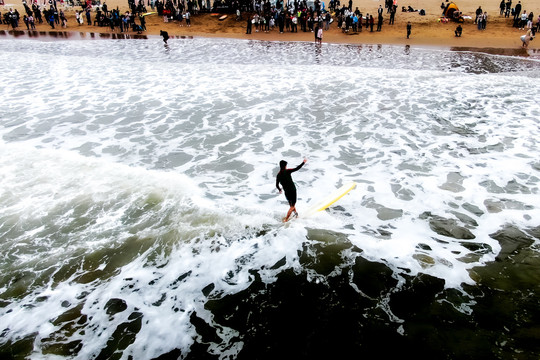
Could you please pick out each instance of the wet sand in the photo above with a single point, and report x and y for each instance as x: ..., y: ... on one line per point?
x: 76, y: 35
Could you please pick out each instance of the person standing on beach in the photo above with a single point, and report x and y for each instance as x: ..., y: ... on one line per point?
x: 56, y: 16
x: 248, y: 25
x: 294, y: 24
x: 479, y: 12
x: 409, y: 28
x: 143, y: 22
x: 523, y: 22
x: 367, y: 21
x: 51, y: 20
x: 125, y: 21
x: 508, y: 8
x: 327, y: 20
x: 392, y: 15
x: 37, y: 14
x: 32, y: 22
x: 63, y: 19
x: 285, y: 179
x: 517, y: 10
x: 530, y: 21
x: 15, y: 19
x: 187, y: 16
x: 479, y: 19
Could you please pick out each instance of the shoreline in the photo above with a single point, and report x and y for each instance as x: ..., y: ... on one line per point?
x: 73, y: 35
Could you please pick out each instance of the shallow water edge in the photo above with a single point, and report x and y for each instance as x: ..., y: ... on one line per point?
x: 77, y: 35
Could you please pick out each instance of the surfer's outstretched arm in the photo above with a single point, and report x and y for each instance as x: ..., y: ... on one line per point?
x: 298, y: 167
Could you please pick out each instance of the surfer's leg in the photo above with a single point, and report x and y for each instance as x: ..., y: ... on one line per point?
x: 290, y: 194
x: 291, y: 209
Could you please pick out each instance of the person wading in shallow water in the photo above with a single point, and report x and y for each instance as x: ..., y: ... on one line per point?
x: 164, y: 35
x: 285, y: 179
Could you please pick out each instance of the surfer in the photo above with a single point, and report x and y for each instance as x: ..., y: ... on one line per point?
x: 284, y: 177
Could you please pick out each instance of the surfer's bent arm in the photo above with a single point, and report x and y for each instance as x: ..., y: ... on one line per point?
x: 277, y: 183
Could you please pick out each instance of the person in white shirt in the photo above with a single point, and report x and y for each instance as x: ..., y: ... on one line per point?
x: 524, y: 18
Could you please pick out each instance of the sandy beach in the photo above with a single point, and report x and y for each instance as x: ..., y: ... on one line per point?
x: 426, y: 30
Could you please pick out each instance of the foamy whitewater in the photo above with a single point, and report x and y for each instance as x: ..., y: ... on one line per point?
x: 139, y: 215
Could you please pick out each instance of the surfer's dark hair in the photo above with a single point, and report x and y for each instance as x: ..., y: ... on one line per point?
x: 282, y: 164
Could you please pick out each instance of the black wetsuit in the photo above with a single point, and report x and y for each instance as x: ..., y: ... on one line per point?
x: 165, y: 35
x: 284, y: 177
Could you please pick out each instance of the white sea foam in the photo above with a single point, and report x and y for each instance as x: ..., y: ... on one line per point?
x: 135, y: 173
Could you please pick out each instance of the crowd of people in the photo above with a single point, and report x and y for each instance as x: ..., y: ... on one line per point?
x: 262, y: 15
x: 521, y: 18
x: 316, y: 18
x: 96, y: 14
x: 311, y: 18
x: 287, y: 17
x: 266, y: 18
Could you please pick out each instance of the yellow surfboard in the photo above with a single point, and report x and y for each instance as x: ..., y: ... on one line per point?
x: 330, y: 199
